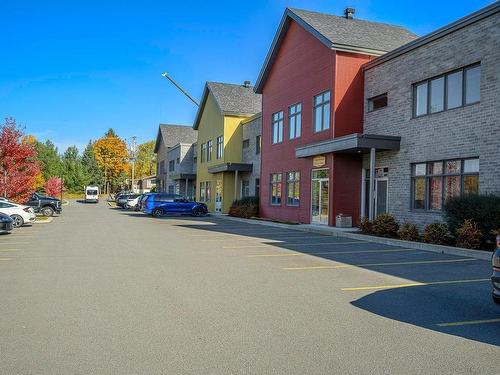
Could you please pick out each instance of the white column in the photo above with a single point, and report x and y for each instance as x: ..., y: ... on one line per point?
x: 236, y: 184
x: 371, y: 200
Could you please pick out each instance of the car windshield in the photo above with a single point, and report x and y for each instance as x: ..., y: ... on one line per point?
x: 91, y: 192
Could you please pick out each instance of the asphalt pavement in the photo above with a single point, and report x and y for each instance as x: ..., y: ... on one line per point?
x: 105, y: 291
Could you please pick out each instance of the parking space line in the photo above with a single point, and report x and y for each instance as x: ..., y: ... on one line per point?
x: 378, y: 264
x: 13, y: 243
x: 266, y: 244
x: 329, y: 252
x: 4, y: 259
x: 470, y: 322
x: 4, y: 250
x: 408, y: 285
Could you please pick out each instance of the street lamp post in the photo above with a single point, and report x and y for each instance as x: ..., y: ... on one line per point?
x: 132, y: 150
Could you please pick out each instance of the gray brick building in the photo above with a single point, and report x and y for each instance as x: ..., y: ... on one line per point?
x: 169, y: 136
x: 251, y: 138
x: 441, y: 95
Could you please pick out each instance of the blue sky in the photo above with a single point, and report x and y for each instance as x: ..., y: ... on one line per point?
x: 71, y: 69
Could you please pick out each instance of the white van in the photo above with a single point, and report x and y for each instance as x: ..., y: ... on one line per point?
x: 92, y: 194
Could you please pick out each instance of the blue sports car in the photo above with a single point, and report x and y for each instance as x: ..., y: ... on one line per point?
x: 161, y: 204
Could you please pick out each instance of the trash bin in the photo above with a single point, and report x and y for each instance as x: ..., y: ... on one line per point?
x: 343, y: 221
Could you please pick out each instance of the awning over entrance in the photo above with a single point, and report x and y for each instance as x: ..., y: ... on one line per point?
x: 183, y: 176
x: 352, y: 143
x: 231, y: 167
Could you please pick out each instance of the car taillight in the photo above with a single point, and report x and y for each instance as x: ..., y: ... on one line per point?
x: 27, y: 209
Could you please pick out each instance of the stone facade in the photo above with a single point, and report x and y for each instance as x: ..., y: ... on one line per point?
x: 181, y: 170
x: 251, y: 136
x: 468, y: 131
x: 169, y: 136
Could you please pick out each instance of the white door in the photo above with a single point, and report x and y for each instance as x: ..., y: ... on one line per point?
x: 218, y: 196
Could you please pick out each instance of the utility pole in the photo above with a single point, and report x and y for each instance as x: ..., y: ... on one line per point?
x: 132, y: 159
x: 165, y: 74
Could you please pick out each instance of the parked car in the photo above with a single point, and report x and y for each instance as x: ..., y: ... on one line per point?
x: 161, y: 204
x: 122, y: 200
x: 44, y: 204
x: 133, y: 202
x: 6, y: 223
x: 20, y: 214
x: 142, y: 201
x: 122, y: 192
x: 495, y: 278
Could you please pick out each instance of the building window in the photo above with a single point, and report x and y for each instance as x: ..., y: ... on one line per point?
x: 203, y: 152
x: 451, y: 90
x: 202, y: 192
x: 277, y: 127
x: 162, y: 167
x: 321, y: 112
x: 170, y: 189
x: 245, y: 188
x: 276, y: 189
x: 434, y: 182
x: 209, y: 150
x: 377, y: 102
x: 220, y: 147
x: 208, y: 191
x: 178, y: 160
x: 258, y: 144
x: 294, y: 120
x: 293, y: 189
x: 246, y: 143
x: 257, y: 187
x: 171, y: 165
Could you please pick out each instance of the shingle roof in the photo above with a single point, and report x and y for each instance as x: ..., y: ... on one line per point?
x: 337, y: 33
x: 172, y: 134
x: 357, y: 33
x: 232, y: 99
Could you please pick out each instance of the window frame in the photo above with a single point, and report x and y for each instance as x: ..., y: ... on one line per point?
x: 219, y: 152
x: 371, y: 100
x: 445, y: 75
x: 245, y: 144
x: 442, y: 176
x: 280, y: 123
x: 203, y: 150
x: 321, y: 105
x: 279, y: 183
x: 258, y: 144
x: 297, y: 115
x: 295, y: 200
x: 209, y: 150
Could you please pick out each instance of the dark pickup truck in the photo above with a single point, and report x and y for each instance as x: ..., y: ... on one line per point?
x: 44, y: 204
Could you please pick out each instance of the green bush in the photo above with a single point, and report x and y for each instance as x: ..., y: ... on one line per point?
x: 409, y: 232
x: 484, y: 210
x: 468, y: 235
x: 436, y: 233
x: 385, y: 225
x: 246, y: 207
x: 365, y: 226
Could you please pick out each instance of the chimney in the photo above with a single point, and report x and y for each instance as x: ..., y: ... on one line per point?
x: 246, y: 84
x: 349, y: 13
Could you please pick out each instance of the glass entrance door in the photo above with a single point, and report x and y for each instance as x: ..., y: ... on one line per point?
x: 320, y: 196
x: 380, y: 196
x: 218, y: 196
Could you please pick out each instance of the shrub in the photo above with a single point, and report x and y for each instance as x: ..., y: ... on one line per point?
x: 385, y: 225
x: 484, y: 210
x: 365, y: 226
x: 468, y: 235
x: 246, y: 207
x: 409, y: 232
x: 436, y: 233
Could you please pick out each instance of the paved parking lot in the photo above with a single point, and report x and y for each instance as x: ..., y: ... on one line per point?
x: 105, y: 291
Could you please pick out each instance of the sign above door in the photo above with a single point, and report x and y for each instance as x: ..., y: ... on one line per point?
x: 319, y: 161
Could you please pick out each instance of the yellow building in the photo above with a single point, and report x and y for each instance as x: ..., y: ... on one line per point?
x: 219, y: 123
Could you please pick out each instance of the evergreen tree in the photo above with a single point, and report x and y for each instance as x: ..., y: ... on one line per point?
x: 93, y: 175
x: 74, y: 173
x: 48, y: 158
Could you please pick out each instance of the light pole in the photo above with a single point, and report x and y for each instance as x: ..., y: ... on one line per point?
x: 165, y: 74
x: 132, y: 151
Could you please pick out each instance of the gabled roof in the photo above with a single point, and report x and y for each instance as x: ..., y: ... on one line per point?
x: 338, y: 33
x: 232, y: 99
x: 172, y: 134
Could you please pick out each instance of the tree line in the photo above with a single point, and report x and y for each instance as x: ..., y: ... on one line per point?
x: 28, y: 164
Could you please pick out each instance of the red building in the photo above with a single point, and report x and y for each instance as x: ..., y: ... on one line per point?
x: 312, y: 114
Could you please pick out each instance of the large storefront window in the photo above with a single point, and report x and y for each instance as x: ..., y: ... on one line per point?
x: 293, y: 189
x: 276, y: 189
x: 434, y: 182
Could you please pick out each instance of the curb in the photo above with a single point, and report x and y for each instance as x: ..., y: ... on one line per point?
x: 441, y: 249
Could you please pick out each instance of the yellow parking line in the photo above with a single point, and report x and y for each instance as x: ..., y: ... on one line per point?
x: 379, y: 264
x: 5, y: 259
x: 1, y: 250
x: 328, y: 252
x: 454, y: 324
x: 13, y: 243
x: 394, y: 286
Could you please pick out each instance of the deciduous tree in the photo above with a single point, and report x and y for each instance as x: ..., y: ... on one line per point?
x: 145, y: 164
x: 93, y: 175
x: 18, y: 164
x: 53, y: 186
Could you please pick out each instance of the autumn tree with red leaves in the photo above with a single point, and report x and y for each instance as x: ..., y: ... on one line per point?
x: 53, y: 186
x: 18, y: 165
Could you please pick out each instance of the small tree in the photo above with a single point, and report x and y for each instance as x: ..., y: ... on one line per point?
x: 53, y: 186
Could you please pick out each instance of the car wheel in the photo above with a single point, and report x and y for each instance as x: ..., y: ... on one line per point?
x: 47, y: 211
x: 496, y: 299
x: 17, y: 221
x: 158, y: 212
x: 198, y: 212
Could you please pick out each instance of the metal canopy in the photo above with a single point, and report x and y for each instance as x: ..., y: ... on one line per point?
x: 183, y: 176
x: 231, y: 167
x: 353, y: 143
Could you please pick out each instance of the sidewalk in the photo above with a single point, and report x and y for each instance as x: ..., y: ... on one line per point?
x: 349, y: 233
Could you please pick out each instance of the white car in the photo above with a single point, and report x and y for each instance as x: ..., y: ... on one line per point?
x: 19, y: 213
x: 132, y: 203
